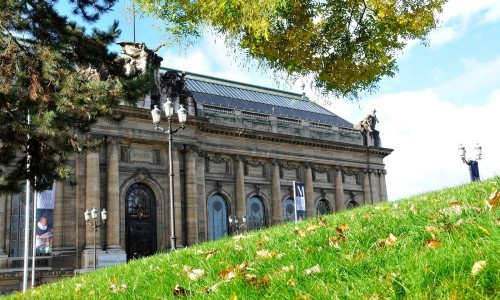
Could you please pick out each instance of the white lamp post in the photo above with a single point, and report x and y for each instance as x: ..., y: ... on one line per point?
x: 472, y: 163
x: 104, y: 215
x: 234, y: 222
x: 182, y: 116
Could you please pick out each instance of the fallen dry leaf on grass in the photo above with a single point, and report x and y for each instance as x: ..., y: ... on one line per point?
x: 493, y: 201
x: 391, y: 240
x: 432, y: 243
x: 227, y: 274
x: 478, y: 267
x: 196, y: 274
x: 180, y: 291
x: 313, y: 270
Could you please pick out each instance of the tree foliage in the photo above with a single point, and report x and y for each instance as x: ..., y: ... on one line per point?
x: 63, y: 78
x: 346, y: 46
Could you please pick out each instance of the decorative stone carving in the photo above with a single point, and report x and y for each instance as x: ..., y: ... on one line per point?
x: 289, y: 171
x: 350, y: 176
x: 218, y: 186
x: 138, y: 59
x: 217, y: 164
x: 258, y: 188
x: 255, y: 168
x: 321, y: 174
x: 142, y: 174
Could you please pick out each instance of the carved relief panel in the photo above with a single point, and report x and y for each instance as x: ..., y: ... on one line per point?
x: 217, y: 164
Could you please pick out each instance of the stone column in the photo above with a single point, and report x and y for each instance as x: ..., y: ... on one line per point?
x: 239, y: 186
x: 201, y: 223
x: 383, y: 187
x: 276, y: 193
x: 113, y: 197
x: 57, y: 241
x: 339, y: 190
x: 367, y: 195
x: 92, y: 199
x: 191, y: 196
x: 309, y: 191
x: 178, y: 194
x: 375, y: 184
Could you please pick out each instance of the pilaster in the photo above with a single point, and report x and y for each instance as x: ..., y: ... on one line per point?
x: 178, y: 195
x: 92, y: 199
x: 113, y: 197
x: 276, y: 193
x: 383, y: 187
x: 367, y: 195
x: 239, y: 186
x: 57, y: 241
x: 339, y: 190
x: 309, y: 190
x: 191, y: 196
x: 375, y: 184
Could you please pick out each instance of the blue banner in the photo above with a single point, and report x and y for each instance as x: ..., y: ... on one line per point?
x: 299, y: 198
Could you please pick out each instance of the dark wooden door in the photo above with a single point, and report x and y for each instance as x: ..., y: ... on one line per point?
x: 140, y: 221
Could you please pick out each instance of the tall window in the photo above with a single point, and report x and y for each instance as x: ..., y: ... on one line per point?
x: 217, y: 217
x: 17, y: 225
x: 255, y: 214
x: 288, y: 210
x: 322, y: 207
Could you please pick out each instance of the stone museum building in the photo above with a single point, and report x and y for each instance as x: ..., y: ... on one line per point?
x: 242, y: 148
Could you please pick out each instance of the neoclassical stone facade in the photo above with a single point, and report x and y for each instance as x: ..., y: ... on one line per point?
x: 241, y: 150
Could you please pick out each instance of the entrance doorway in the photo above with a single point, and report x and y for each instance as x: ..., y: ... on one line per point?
x: 140, y: 221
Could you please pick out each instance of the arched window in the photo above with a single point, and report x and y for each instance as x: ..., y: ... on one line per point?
x: 351, y: 205
x: 217, y: 217
x: 141, y: 201
x: 288, y: 210
x: 255, y: 214
x: 322, y: 207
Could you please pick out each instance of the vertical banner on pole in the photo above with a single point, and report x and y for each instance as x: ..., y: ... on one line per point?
x: 45, y: 220
x: 299, y: 200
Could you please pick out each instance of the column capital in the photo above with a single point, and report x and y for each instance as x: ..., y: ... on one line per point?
x: 179, y: 146
x: 238, y: 157
x: 113, y: 139
x: 308, y: 165
x: 339, y: 168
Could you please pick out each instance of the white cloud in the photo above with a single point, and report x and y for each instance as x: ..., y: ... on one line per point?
x: 478, y: 76
x: 425, y: 132
x: 457, y: 16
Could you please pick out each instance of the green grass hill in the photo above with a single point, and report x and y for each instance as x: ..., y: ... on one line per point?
x: 439, y: 245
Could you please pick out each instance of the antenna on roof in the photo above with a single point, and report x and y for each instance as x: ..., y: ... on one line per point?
x: 303, y: 90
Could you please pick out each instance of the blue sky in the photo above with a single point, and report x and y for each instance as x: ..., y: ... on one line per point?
x: 444, y: 94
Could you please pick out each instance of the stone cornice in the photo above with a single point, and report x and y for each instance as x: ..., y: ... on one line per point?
x: 296, y: 140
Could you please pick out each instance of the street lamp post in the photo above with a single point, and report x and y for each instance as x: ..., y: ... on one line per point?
x: 182, y: 116
x: 234, y: 222
x: 95, y: 225
x: 472, y: 163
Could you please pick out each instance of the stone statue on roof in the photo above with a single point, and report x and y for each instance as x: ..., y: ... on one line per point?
x: 137, y: 58
x: 367, y: 129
